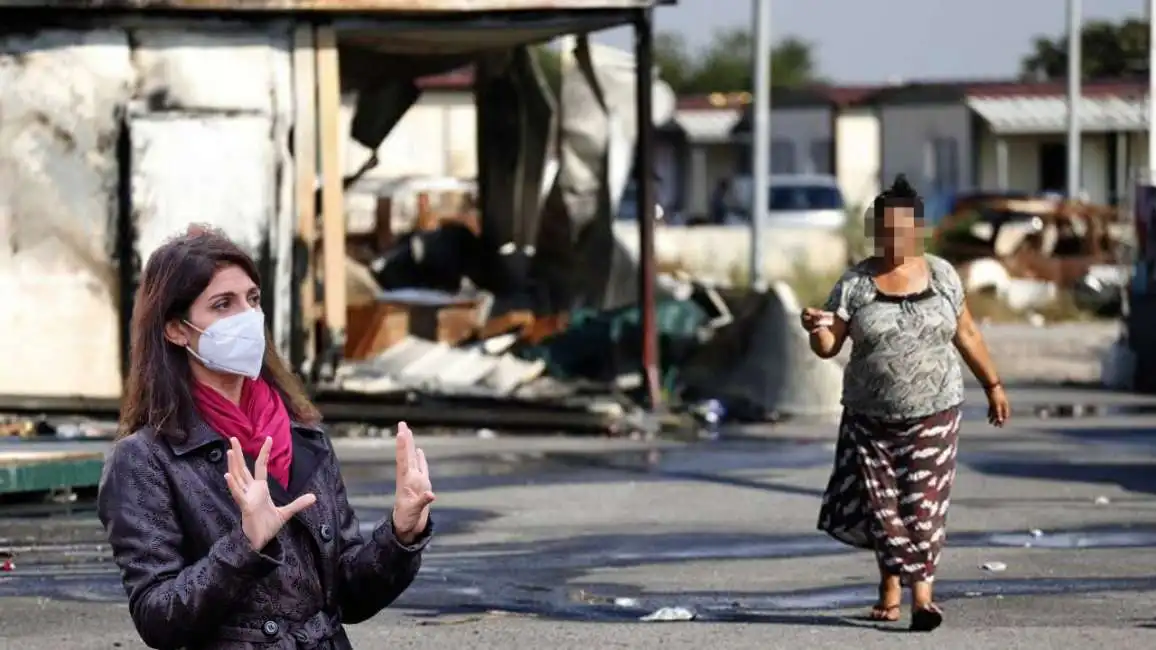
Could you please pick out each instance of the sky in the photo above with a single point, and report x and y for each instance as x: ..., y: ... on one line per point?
x: 870, y: 41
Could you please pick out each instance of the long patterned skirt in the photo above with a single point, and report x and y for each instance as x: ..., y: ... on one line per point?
x: 890, y: 490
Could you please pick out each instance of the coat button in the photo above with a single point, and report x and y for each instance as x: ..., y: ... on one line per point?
x: 215, y: 456
x: 270, y: 628
x: 326, y: 532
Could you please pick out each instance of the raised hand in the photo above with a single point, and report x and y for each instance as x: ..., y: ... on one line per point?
x: 414, y: 490
x: 815, y: 319
x: 261, y: 519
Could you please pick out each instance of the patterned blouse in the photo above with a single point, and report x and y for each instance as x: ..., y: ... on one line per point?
x: 903, y: 363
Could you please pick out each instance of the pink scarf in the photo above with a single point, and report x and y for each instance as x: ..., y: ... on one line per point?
x: 260, y: 414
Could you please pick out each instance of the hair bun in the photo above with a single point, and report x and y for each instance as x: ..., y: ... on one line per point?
x: 200, y: 230
x: 902, y: 188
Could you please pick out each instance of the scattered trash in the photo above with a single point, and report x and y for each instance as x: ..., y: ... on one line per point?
x: 973, y: 594
x: 7, y: 564
x: 503, y: 613
x: 487, y: 434
x: 62, y: 496
x: 414, y: 364
x: 15, y: 426
x: 1102, y: 500
x: 626, y: 602
x: 1037, y: 533
x: 669, y: 614
x: 994, y: 567
x: 710, y: 414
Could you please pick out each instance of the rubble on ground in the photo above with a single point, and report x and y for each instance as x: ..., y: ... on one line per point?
x: 1026, y: 250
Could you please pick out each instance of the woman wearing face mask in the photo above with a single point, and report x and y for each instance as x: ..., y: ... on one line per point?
x: 223, y: 501
x: 905, y: 316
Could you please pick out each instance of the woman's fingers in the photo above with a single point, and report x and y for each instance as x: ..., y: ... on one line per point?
x: 406, y: 457
x: 235, y: 489
x: 998, y: 413
x: 411, y: 446
x: 402, y: 455
x: 237, y: 465
x: 297, y: 505
x: 261, y: 469
x: 422, y: 464
x: 230, y: 457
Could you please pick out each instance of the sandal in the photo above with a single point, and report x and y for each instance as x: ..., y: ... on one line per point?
x: 884, y: 613
x: 926, y: 618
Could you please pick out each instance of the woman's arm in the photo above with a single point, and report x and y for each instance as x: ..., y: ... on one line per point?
x: 827, y: 342
x: 969, y: 341
x: 373, y: 572
x: 172, y: 603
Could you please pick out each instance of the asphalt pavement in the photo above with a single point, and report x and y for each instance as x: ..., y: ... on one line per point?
x: 551, y: 542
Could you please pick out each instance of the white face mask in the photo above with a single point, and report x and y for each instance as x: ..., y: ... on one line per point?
x: 235, y: 344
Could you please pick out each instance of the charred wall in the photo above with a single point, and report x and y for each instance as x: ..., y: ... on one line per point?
x: 117, y: 136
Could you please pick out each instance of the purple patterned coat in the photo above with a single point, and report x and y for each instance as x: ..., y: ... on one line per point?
x: 193, y: 580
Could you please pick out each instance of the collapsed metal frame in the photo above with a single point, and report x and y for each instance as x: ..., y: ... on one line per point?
x: 317, y: 135
x: 321, y: 354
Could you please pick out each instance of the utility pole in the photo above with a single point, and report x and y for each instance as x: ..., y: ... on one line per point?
x: 1075, y: 27
x: 760, y: 138
x: 644, y: 181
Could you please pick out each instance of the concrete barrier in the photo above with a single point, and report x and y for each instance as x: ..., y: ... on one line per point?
x: 762, y: 366
x: 805, y: 385
x: 721, y: 254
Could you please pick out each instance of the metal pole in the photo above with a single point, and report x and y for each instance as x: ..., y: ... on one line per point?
x: 1075, y: 27
x: 644, y: 180
x: 761, y: 138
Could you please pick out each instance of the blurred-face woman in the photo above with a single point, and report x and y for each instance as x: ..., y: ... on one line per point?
x: 905, y: 315
x: 222, y: 498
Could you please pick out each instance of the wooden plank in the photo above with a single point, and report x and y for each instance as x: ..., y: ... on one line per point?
x: 332, y: 192
x: 305, y: 160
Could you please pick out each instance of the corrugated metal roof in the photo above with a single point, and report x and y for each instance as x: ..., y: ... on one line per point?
x: 334, y: 5
x: 1021, y: 115
x: 706, y: 126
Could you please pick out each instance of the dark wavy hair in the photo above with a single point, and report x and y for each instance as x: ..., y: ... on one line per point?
x: 157, y: 392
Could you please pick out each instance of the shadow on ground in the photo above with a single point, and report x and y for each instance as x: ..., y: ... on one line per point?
x: 545, y: 578
x: 1133, y: 478
x: 712, y: 462
x: 1135, y: 444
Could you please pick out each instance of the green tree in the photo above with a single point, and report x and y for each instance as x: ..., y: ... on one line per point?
x: 672, y: 57
x: 1110, y: 51
x: 725, y: 64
